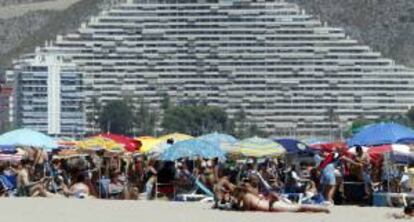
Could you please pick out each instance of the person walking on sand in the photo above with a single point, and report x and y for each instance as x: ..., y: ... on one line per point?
x: 328, y: 177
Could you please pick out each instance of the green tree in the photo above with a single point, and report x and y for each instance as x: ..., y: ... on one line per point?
x: 254, y: 130
x: 165, y: 102
x: 241, y: 124
x: 410, y: 114
x: 195, y: 119
x: 402, y: 119
x: 116, y: 117
x: 145, y: 119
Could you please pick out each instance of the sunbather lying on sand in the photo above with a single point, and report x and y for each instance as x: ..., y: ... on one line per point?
x: 407, y: 214
x: 245, y: 198
x: 250, y: 201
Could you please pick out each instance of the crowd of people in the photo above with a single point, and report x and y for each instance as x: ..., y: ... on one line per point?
x: 261, y: 184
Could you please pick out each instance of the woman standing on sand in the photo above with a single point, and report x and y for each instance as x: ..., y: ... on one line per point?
x: 151, y: 174
x: 328, y: 177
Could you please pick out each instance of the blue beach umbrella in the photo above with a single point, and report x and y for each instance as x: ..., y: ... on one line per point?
x: 9, y: 149
x: 294, y: 146
x: 381, y: 133
x: 190, y: 149
x: 219, y: 139
x: 26, y: 138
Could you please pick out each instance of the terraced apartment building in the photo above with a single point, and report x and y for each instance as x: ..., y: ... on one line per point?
x: 289, y: 71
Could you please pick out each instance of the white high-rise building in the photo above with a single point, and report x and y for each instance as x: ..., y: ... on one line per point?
x: 286, y: 69
x: 48, y: 95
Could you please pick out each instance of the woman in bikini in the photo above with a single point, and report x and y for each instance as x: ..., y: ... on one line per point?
x: 248, y: 200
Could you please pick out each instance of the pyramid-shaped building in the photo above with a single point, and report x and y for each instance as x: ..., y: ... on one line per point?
x: 286, y: 69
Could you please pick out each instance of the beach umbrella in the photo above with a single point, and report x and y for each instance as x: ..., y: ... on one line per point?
x: 219, y: 139
x: 294, y: 146
x: 381, y: 133
x: 13, y: 158
x: 8, y: 149
x: 147, y: 143
x: 387, y: 148
x: 129, y: 144
x: 191, y: 149
x: 99, y: 143
x: 166, y: 141
x: 313, y: 140
x: 66, y: 142
x: 399, y: 153
x: 256, y: 147
x: 328, y: 146
x: 28, y: 138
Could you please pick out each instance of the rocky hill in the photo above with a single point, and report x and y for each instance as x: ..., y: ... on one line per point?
x: 385, y: 25
x: 21, y: 34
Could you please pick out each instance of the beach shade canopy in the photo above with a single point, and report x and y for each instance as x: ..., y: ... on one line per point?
x: 8, y: 149
x: 399, y: 153
x: 146, y: 143
x: 219, y: 139
x: 381, y: 133
x: 166, y: 141
x: 293, y: 146
x: 13, y: 158
x: 129, y: 144
x: 388, y: 148
x: 100, y: 143
x: 256, y: 147
x: 66, y: 142
x: 191, y: 149
x: 28, y: 138
x: 328, y: 146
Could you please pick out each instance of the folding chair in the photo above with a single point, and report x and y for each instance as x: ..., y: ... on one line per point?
x: 166, y: 189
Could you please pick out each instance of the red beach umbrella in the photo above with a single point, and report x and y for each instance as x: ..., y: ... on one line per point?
x: 130, y: 145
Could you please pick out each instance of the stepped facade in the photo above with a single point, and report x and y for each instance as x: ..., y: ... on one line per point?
x: 289, y: 72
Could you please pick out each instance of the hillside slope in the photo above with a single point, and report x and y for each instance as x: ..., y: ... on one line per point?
x: 22, y: 34
x: 385, y: 25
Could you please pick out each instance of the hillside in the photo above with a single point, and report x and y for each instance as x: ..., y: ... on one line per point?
x: 385, y: 25
x: 21, y: 34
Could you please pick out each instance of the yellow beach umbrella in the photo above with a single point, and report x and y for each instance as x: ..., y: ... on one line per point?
x: 97, y: 142
x: 256, y: 147
x: 147, y: 143
x: 162, y: 141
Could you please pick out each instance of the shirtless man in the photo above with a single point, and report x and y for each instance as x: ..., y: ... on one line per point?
x: 25, y: 186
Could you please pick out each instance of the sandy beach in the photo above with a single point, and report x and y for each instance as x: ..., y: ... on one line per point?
x: 45, y: 210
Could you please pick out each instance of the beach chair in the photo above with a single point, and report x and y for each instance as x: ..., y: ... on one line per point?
x: 8, y: 186
x: 207, y: 195
x: 105, y: 192
x: 297, y: 197
x: 166, y: 189
x: 103, y: 188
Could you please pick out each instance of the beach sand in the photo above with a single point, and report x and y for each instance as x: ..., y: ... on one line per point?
x: 61, y: 210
